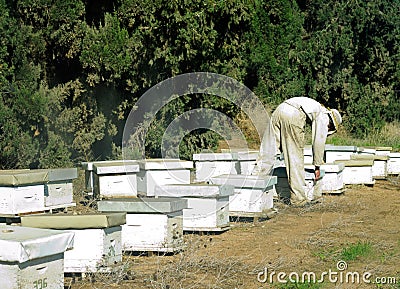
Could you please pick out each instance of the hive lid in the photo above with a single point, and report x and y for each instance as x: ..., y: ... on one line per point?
x: 332, y: 168
x: 143, y: 205
x: 340, y: 148
x: 89, y: 166
x: 60, y: 174
x: 70, y: 221
x: 245, y: 181
x: 116, y: 167
x: 194, y: 190
x: 215, y: 157
x: 23, y: 177
x: 356, y: 163
x: 248, y: 156
x: 164, y: 164
x: 39, y: 176
x: 20, y: 244
x: 369, y: 157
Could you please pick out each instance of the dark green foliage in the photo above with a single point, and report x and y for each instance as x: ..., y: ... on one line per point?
x: 71, y: 70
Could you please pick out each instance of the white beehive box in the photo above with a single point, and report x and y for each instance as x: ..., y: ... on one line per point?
x: 158, y: 172
x: 58, y: 189
x: 208, y: 205
x: 253, y: 194
x: 393, y: 166
x: 209, y: 165
x: 32, y: 258
x: 379, y: 167
x: 88, y: 167
x: 97, y: 243
x: 311, y: 188
x: 333, y: 153
x: 357, y: 172
x: 332, y: 182
x: 152, y: 224
x: 115, y: 179
x: 22, y: 191
x: 247, y: 161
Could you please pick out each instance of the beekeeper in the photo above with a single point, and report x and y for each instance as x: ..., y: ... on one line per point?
x: 288, y: 123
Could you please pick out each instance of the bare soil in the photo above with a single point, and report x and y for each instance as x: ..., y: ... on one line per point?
x: 295, y: 240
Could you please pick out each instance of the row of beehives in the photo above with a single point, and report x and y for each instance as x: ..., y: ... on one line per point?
x: 26, y: 191
x: 38, y: 257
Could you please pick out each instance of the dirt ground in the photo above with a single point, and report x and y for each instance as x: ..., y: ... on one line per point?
x: 295, y: 241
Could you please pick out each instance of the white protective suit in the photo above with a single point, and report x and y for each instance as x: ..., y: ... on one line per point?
x: 288, y: 123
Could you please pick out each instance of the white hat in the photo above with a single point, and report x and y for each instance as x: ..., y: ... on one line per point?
x: 336, y: 119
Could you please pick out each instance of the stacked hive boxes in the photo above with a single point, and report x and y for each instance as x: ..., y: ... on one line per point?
x: 33, y: 258
x: 152, y: 224
x: 379, y: 165
x: 208, y: 205
x: 26, y: 191
x: 115, y: 179
x: 98, y: 245
x: 162, y: 172
x: 253, y: 194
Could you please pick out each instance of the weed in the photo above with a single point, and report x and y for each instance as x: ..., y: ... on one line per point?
x: 354, y: 251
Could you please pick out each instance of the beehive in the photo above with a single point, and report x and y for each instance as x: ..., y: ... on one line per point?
x: 247, y: 161
x: 32, y: 258
x: 379, y: 167
x: 58, y: 190
x: 97, y: 245
x: 333, y: 153
x: 311, y: 187
x: 357, y: 172
x: 209, y: 165
x: 152, y: 224
x: 393, y: 166
x: 332, y: 182
x: 159, y: 172
x: 115, y: 179
x: 208, y: 205
x: 88, y: 167
x: 253, y: 194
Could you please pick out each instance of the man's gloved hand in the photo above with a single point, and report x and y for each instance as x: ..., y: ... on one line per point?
x: 317, y: 173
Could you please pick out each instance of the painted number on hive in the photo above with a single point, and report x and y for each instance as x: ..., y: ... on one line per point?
x: 40, y: 284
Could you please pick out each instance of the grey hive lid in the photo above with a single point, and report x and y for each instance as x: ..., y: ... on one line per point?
x: 369, y: 157
x: 356, y: 163
x: 164, y: 164
x: 194, y: 190
x: 142, y: 205
x: 215, y: 156
x: 70, y: 221
x: 21, y: 244
x: 39, y: 176
x: 23, y: 177
x: 245, y: 181
x: 340, y: 148
x: 89, y: 166
x: 116, y: 167
x: 60, y: 174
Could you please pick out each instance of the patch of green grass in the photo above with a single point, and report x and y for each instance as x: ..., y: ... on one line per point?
x: 355, y: 251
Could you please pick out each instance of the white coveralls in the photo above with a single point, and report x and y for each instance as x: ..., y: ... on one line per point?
x: 288, y: 122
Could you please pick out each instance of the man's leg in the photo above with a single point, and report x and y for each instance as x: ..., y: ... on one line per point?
x: 292, y: 138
